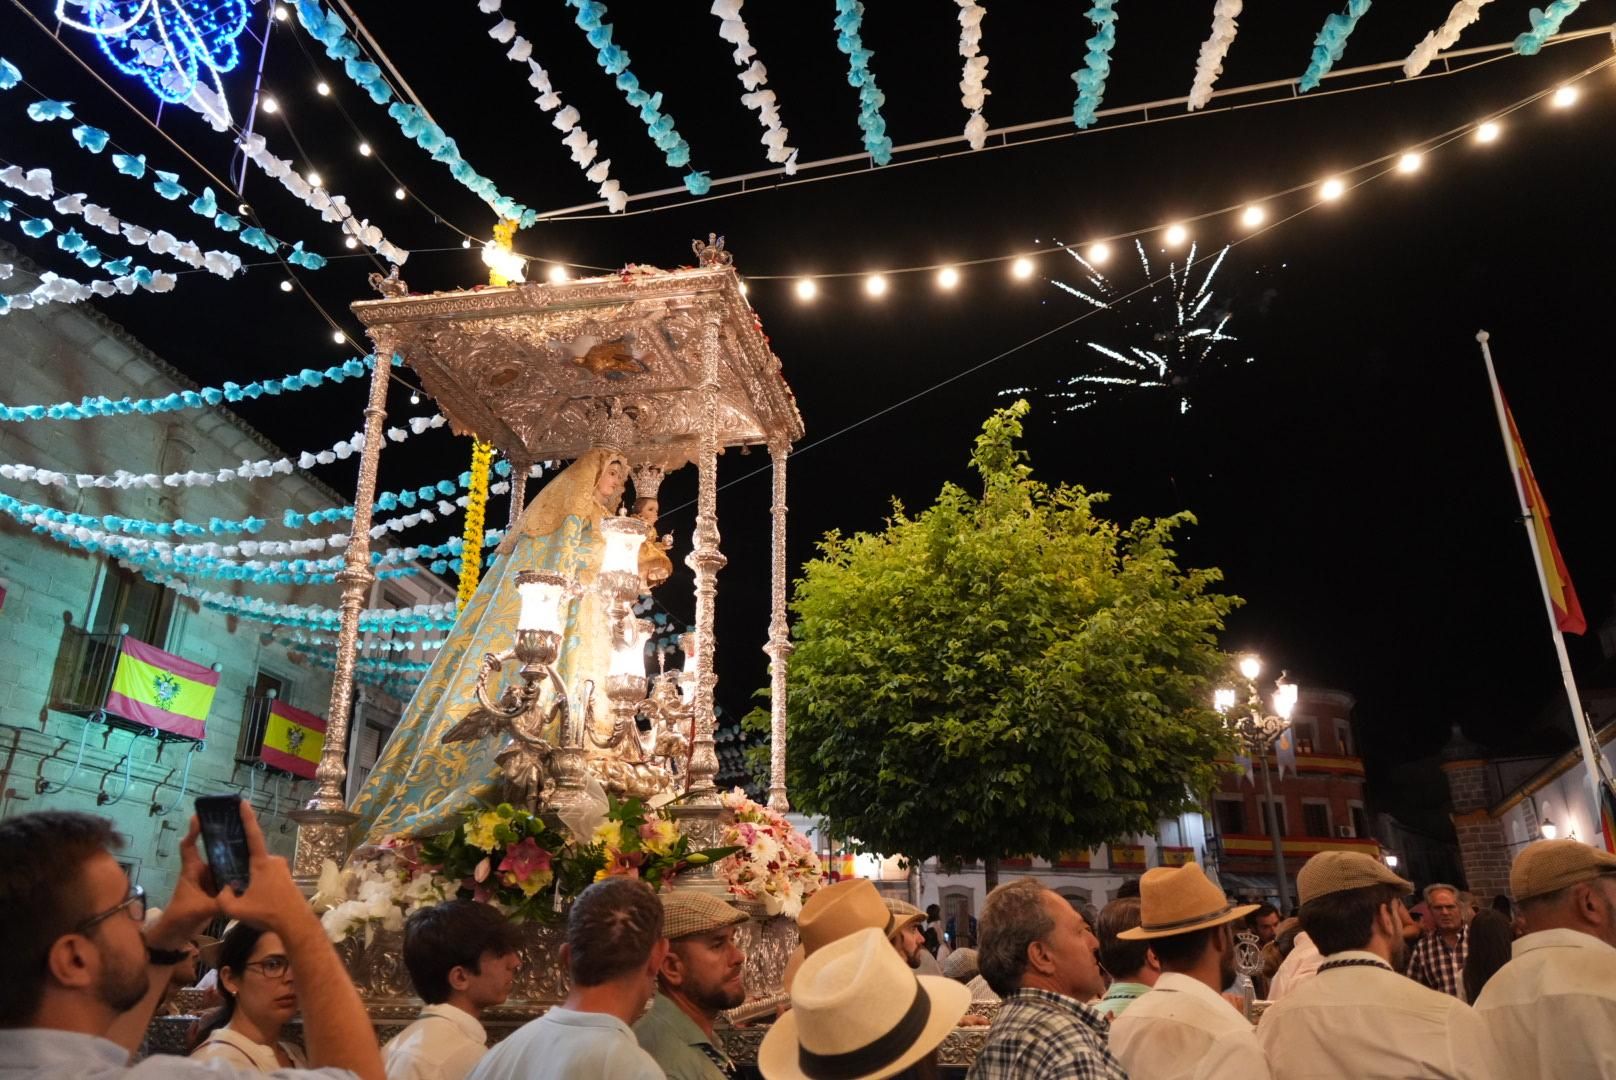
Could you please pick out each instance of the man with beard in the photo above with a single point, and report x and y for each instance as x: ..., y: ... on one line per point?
x: 905, y: 932
x: 700, y: 977
x: 1183, y: 1027
x: 1358, y: 1017
x: 82, y: 980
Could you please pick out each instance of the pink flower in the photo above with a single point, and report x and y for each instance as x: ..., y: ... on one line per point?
x: 480, y: 874
x: 525, y: 859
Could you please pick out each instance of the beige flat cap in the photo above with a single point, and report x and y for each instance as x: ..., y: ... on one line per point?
x: 1337, y: 871
x: 1547, y: 866
x: 686, y: 912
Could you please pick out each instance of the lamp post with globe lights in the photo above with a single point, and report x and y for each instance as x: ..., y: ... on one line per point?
x: 1257, y: 729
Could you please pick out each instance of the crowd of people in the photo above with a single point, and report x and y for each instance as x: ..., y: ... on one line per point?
x: 1356, y: 987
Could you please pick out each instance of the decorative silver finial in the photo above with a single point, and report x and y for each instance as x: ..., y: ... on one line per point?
x: 710, y: 252
x: 390, y: 286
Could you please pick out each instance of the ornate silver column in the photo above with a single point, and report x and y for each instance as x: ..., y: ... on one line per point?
x: 779, y: 647
x: 519, y: 471
x: 322, y: 824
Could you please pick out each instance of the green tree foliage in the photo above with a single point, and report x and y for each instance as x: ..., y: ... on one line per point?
x: 1004, y: 675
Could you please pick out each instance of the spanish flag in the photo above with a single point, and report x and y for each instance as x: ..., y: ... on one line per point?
x: 161, y: 690
x: 293, y: 740
x: 1567, y: 610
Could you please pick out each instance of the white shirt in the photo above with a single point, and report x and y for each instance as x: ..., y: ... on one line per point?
x: 1300, y: 964
x: 43, y: 1054
x: 226, y: 1044
x: 980, y: 990
x: 1551, y: 1011
x: 1369, y: 1023
x: 567, y: 1045
x: 1184, y: 1030
x: 445, y: 1043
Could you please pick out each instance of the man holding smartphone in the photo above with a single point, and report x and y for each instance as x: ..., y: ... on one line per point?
x: 82, y: 981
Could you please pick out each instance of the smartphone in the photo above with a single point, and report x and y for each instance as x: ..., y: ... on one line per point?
x: 224, y: 840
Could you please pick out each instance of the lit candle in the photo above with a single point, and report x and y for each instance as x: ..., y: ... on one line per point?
x: 541, y: 596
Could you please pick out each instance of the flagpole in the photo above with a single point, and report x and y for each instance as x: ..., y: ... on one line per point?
x: 1578, y: 717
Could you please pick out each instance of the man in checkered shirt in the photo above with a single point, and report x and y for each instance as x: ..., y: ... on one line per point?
x: 1039, y: 956
x: 1439, y: 958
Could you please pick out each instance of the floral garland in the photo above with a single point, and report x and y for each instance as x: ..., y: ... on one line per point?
x: 313, y: 616
x: 1331, y: 43
x: 70, y: 241
x: 329, y: 30
x: 327, y: 658
x: 1096, y: 63
x: 576, y: 139
x: 190, y: 399
x: 973, y: 81
x: 1443, y: 37
x: 471, y: 558
x: 1545, y: 24
x: 849, y: 20
x: 332, y: 208
x: 775, y: 864
x: 1209, y: 65
x: 300, y: 640
x: 754, y: 76
x: 614, y: 60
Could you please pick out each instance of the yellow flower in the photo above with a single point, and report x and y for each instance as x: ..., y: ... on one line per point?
x: 480, y: 830
x: 658, y: 836
x: 609, y: 833
x: 534, y: 882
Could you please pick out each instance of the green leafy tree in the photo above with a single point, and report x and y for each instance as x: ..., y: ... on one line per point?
x: 1002, y: 675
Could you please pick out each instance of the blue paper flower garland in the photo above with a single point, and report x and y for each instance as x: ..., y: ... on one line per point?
x: 1331, y: 43
x: 1545, y: 24
x: 849, y: 21
x: 1096, y: 63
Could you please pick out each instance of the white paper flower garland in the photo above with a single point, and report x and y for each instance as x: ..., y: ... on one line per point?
x: 754, y: 77
x: 584, y: 150
x: 1209, y: 65
x: 1443, y: 37
x: 332, y: 208
x: 973, y: 80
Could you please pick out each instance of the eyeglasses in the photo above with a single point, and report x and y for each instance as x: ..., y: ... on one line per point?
x: 271, y: 967
x: 135, y: 903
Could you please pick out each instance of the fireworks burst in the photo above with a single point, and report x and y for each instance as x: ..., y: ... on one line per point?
x: 1172, y: 334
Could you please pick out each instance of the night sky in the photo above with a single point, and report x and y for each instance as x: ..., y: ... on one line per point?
x: 1349, y: 480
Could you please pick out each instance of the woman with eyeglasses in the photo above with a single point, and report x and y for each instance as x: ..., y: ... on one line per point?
x: 255, y: 979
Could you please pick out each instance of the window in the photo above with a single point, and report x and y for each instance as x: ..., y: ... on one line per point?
x: 1231, y: 814
x: 1360, y: 820
x: 1305, y: 737
x: 1279, y: 812
x: 128, y: 599
x: 1315, y: 817
x: 1343, y: 737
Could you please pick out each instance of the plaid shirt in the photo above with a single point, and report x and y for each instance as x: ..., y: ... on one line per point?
x: 1440, y: 966
x: 1049, y: 1036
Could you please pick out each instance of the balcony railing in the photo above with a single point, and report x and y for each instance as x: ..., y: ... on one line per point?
x: 85, y: 663
x: 254, y: 722
x: 1243, y: 845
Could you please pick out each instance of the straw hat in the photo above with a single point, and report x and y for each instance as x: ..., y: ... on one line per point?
x: 688, y: 912
x: 859, y: 1013
x: 903, y: 914
x: 1338, y: 871
x: 1180, y: 900
x: 833, y: 913
x: 1547, y: 866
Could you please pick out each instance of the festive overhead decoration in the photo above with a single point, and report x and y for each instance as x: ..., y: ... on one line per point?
x: 1545, y: 24
x: 55, y: 289
x: 614, y: 60
x: 178, y: 48
x: 973, y: 81
x: 314, y: 616
x: 576, y: 139
x: 1096, y: 63
x: 849, y: 22
x: 332, y: 208
x: 332, y: 32
x: 754, y: 77
x: 1209, y: 65
x: 471, y: 559
x: 1443, y: 37
x: 1331, y: 43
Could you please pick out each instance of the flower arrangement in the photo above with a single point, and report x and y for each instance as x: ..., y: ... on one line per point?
x: 774, y: 864
x: 379, y: 891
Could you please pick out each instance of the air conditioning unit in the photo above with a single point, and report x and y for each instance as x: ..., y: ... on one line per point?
x: 1346, y: 832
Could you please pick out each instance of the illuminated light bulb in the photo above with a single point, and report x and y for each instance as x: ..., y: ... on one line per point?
x: 286, y: 286
x: 350, y: 243
x: 270, y: 105
x: 875, y: 285
x: 558, y: 274
x: 1565, y: 97
x: 1223, y: 699
x: 364, y: 149
x: 1253, y: 216
x: 415, y: 399
x: 1098, y: 253
x: 1250, y: 667
x: 322, y: 88
x: 947, y: 277
x: 744, y: 289
x: 1021, y: 269
x: 280, y: 13
x: 1332, y: 189
x: 1488, y: 132
x: 806, y: 289
x: 398, y: 193
x: 243, y: 209
x: 1410, y: 162
x: 313, y: 178
x: 466, y: 243
x: 338, y: 336
x: 1176, y: 235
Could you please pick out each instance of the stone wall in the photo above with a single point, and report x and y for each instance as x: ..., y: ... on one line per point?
x: 1483, y: 850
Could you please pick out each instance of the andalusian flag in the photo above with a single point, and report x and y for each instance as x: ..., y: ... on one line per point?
x: 1567, y: 611
x: 293, y: 740
x: 161, y: 690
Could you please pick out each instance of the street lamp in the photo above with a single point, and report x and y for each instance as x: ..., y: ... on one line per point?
x: 1256, y: 730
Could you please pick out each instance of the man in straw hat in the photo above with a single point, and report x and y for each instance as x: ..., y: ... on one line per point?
x: 1183, y: 1027
x: 1551, y: 1011
x: 859, y: 1013
x: 833, y: 913
x: 1038, y: 954
x: 905, y: 932
x: 700, y: 978
x: 1358, y: 1017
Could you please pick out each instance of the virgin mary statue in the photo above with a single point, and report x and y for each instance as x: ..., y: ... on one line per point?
x: 422, y: 784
